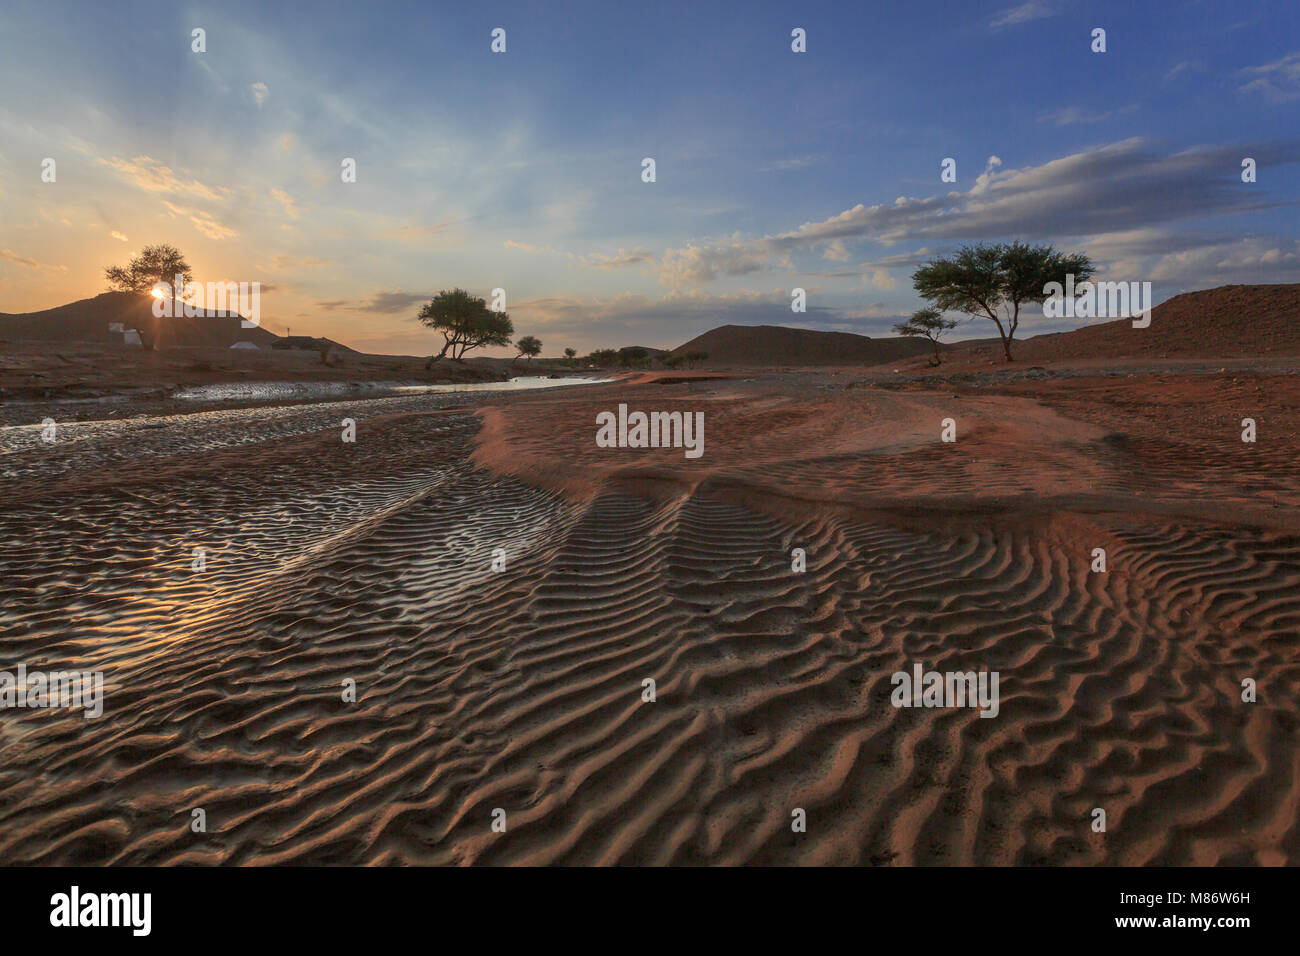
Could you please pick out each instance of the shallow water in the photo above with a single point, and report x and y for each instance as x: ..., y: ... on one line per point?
x: 272, y: 391
x: 107, y: 443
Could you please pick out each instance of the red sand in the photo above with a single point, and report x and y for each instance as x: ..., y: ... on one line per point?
x: 522, y: 690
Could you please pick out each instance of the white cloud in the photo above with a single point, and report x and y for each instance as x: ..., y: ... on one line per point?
x: 1033, y: 10
x: 1279, y: 80
x: 285, y: 200
x: 1107, y: 189
x: 203, y: 221
x: 795, y: 162
x: 152, y: 176
x: 1072, y: 115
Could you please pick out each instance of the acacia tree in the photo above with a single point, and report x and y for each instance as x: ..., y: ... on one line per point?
x: 993, y: 282
x: 529, y: 345
x: 570, y: 354
x: 929, y: 323
x: 465, y: 322
x: 633, y: 356
x: 154, y: 264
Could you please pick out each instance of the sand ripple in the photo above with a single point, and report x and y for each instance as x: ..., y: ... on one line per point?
x: 521, y: 690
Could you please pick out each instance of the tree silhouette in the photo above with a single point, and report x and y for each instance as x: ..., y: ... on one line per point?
x: 154, y: 264
x: 992, y: 282
x: 929, y: 323
x: 529, y: 345
x: 465, y: 322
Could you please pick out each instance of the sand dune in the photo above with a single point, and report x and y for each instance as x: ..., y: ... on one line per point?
x: 521, y: 690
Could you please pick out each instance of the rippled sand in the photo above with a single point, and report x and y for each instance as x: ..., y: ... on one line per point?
x: 522, y: 690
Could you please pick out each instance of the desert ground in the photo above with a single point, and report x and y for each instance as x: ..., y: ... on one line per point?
x: 521, y: 689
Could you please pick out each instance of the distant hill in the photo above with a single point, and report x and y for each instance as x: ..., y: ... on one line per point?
x: 1231, y: 321
x: 310, y: 343
x: 764, y: 345
x: 88, y: 321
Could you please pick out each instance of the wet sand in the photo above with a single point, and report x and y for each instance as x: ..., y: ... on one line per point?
x: 522, y: 689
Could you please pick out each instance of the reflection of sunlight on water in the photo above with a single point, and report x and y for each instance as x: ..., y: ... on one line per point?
x: 236, y: 391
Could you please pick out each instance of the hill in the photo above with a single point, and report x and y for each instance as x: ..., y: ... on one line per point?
x: 765, y: 345
x: 88, y: 321
x: 1231, y: 321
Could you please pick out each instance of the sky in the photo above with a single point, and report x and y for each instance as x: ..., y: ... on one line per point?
x: 523, y: 170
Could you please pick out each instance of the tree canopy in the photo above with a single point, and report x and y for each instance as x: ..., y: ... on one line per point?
x: 993, y: 282
x: 465, y: 322
x: 930, y: 323
x: 529, y: 345
x: 633, y: 356
x: 154, y: 264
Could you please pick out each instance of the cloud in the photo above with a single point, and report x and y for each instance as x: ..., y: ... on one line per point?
x: 1183, y: 67
x: 1278, y: 81
x: 285, y: 200
x: 881, y: 279
x: 287, y: 261
x: 202, y: 221
x: 390, y: 302
x: 1072, y: 115
x: 671, y: 320
x: 796, y: 162
x: 259, y: 92
x: 696, y: 264
x: 1246, y: 260
x: 382, y: 303
x: 533, y: 250
x: 1033, y: 10
x: 596, y: 260
x: 1111, y: 188
x: 27, y: 263
x: 619, y: 261
x: 152, y: 176
x: 836, y: 251
x: 211, y: 228
x: 19, y: 260
x: 118, y: 236
x: 409, y: 233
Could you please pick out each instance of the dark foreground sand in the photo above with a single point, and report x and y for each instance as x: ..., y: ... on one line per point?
x: 522, y: 690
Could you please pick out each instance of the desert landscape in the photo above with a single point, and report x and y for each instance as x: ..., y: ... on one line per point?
x: 611, y: 436
x: 522, y: 688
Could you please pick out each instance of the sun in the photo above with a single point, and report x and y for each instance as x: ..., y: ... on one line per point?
x: 158, y: 293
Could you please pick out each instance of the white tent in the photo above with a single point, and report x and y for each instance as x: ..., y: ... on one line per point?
x: 244, y: 345
x: 131, y: 337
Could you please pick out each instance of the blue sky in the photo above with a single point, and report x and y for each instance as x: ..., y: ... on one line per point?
x: 522, y: 170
